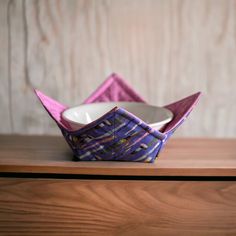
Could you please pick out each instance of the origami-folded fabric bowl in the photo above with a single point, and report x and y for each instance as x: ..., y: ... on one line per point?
x: 79, y: 116
x: 125, y: 137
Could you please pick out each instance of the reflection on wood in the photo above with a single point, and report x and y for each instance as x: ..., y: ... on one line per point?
x: 180, y: 157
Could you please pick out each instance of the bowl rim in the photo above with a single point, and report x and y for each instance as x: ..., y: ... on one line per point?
x: 159, y: 123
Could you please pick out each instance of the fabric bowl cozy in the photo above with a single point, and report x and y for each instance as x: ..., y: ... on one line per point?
x: 117, y: 135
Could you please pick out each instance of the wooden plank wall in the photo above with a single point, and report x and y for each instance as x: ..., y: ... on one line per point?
x: 167, y: 49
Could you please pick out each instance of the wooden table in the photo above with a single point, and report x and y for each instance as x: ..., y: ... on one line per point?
x: 189, y: 190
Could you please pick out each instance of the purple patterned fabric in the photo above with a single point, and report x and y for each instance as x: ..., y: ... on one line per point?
x: 118, y: 135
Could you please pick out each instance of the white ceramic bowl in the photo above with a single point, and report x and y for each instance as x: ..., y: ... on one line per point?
x: 84, y: 114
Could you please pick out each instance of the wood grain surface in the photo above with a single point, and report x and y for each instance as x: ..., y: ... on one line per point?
x: 180, y: 157
x: 72, y: 207
x: 165, y: 49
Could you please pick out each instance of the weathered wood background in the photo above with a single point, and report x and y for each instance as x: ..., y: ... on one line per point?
x: 166, y: 49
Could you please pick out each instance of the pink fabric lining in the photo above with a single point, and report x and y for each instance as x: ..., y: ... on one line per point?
x: 53, y: 108
x: 115, y: 89
x: 181, y: 109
